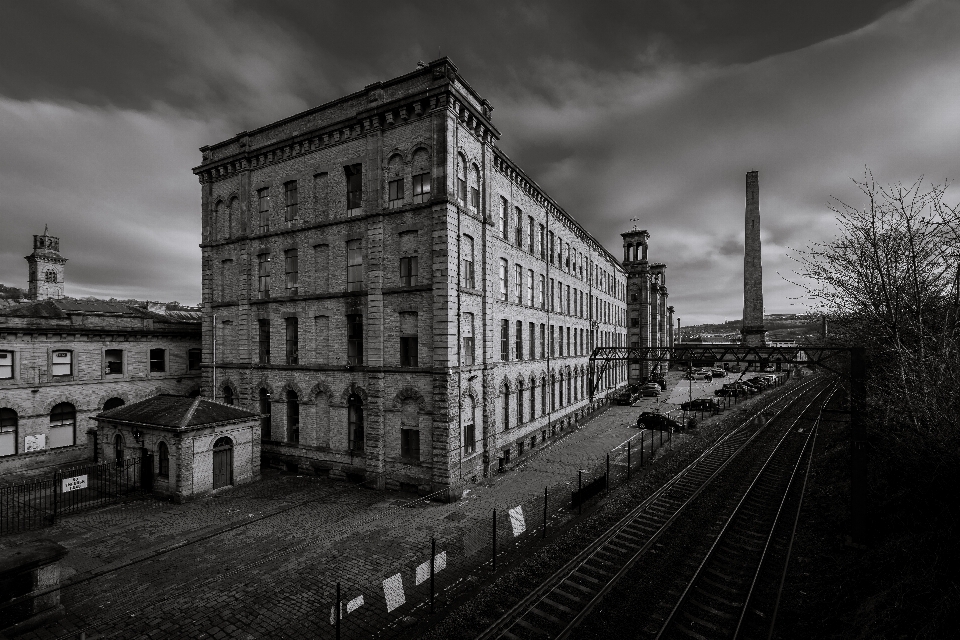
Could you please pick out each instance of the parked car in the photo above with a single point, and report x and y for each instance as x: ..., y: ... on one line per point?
x: 698, y: 375
x: 657, y: 421
x: 628, y: 395
x: 732, y: 393
x: 770, y: 368
x: 650, y: 391
x: 717, y: 372
x: 701, y: 404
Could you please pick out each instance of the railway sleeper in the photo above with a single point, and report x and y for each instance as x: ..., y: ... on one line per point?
x: 736, y: 605
x: 537, y: 632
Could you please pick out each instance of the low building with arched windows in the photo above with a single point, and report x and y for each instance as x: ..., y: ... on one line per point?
x: 196, y: 445
x: 64, y: 360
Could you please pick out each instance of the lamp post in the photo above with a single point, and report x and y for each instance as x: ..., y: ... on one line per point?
x: 213, y: 393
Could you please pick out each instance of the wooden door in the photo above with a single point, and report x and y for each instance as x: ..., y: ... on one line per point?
x: 222, y: 463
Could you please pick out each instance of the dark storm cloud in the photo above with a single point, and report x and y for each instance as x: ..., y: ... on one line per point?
x: 652, y: 110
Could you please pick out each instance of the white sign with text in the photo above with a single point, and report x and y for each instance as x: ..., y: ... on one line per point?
x: 74, y: 483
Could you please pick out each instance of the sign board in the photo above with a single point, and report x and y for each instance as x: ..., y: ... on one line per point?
x: 35, y: 443
x: 76, y: 482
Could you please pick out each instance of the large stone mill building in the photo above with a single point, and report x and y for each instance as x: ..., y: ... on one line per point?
x: 401, y: 302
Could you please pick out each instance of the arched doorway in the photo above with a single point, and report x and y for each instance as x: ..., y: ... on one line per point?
x: 113, y: 403
x: 118, y: 449
x: 222, y: 462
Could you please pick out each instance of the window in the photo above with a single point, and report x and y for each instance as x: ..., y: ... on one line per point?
x: 503, y: 279
x: 6, y: 364
x: 506, y: 408
x: 290, y: 200
x: 462, y: 178
x: 263, y: 274
x: 518, y: 229
x: 530, y: 287
x: 519, y: 405
x: 475, y: 189
x: 541, y: 301
x: 553, y: 297
x: 263, y: 340
x: 50, y: 276
x: 504, y: 340
x: 263, y: 207
x: 265, y: 417
x: 163, y: 460
x: 355, y: 423
x: 228, y: 396
x: 354, y: 176
x: 8, y: 432
x: 355, y: 339
x: 504, y: 218
x: 113, y: 403
x: 408, y: 339
x: 551, y: 246
x: 543, y: 341
x: 291, y: 265
x: 114, y: 361
x: 543, y: 396
x: 354, y: 266
x: 466, y: 254
x: 466, y: 329
x: 551, y: 340
x: 395, y: 193
x: 560, y: 342
x: 293, y: 417
x: 469, y: 426
x: 533, y: 399
x: 63, y: 422
x: 158, y: 360
x: 291, y: 340
x: 540, y: 243
x: 62, y: 363
x: 530, y: 234
x: 532, y: 340
x: 410, y: 444
x: 518, y: 284
x: 518, y: 338
x: 421, y: 188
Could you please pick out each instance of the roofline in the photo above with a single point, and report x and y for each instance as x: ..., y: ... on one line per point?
x: 177, y: 429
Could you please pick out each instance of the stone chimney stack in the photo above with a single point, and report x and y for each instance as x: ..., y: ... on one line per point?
x: 752, y: 330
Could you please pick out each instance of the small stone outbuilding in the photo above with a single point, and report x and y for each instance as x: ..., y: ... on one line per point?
x: 197, y: 445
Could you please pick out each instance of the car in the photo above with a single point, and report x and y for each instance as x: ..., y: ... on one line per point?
x: 650, y: 392
x: 657, y: 421
x: 701, y: 404
x: 698, y: 375
x: 731, y: 393
x: 717, y: 372
x: 628, y: 395
x: 770, y: 368
x: 650, y: 385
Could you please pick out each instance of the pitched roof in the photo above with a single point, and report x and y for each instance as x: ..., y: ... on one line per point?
x: 178, y: 412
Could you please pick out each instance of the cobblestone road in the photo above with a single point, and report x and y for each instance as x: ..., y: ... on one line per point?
x: 262, y: 560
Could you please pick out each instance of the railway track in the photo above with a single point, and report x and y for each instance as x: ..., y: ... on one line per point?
x: 734, y: 591
x: 560, y: 603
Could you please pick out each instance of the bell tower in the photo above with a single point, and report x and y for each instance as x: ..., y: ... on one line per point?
x: 46, y: 267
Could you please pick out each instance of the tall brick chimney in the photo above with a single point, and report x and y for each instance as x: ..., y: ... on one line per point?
x: 752, y: 330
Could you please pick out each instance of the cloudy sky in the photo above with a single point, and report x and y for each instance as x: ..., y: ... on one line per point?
x: 620, y: 110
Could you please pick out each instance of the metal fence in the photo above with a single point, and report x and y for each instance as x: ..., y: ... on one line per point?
x: 38, y: 503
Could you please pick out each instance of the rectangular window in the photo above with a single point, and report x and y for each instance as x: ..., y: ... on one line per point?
x: 466, y: 254
x: 421, y: 188
x: 291, y: 200
x: 552, y: 349
x: 62, y: 364
x: 354, y: 266
x: 541, y: 300
x: 263, y: 275
x: 530, y: 287
x: 462, y: 182
x: 503, y: 280
x: 263, y: 208
x: 194, y: 358
x: 408, y: 271
x: 158, y: 360
x: 559, y: 342
x: 553, y: 297
x: 530, y: 234
x: 543, y: 341
x: 263, y: 340
x: 475, y: 197
x: 355, y: 339
x: 354, y: 176
x: 291, y: 266
x: 292, y: 340
x: 504, y: 218
x: 568, y: 300
x: 408, y: 339
x: 6, y: 364
x: 395, y: 194
x: 504, y: 340
x: 114, y: 361
x: 520, y: 406
x: 532, y: 338
x: 551, y: 246
x: 518, y: 340
x: 466, y: 329
x: 540, y: 244
x: 569, y: 353
x: 518, y: 229
x: 410, y: 444
x: 518, y: 284
x: 469, y: 431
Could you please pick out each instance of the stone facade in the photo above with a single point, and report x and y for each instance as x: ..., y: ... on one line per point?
x: 390, y: 219
x: 46, y: 268
x: 650, y: 318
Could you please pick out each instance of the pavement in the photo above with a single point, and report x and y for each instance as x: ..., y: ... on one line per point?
x: 263, y: 560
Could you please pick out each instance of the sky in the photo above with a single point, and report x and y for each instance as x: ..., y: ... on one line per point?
x: 619, y: 110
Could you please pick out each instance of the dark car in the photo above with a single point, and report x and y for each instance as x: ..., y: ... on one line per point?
x: 657, y: 421
x: 701, y: 404
x: 629, y: 395
x: 718, y: 372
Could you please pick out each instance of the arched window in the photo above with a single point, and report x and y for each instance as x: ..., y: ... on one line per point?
x: 218, y: 222
x: 228, y: 395
x: 265, y: 411
x: 519, y: 405
x: 533, y: 398
x: 113, y: 403
x: 293, y: 417
x: 469, y: 426
x: 462, y: 178
x: 163, y: 460
x: 475, y: 188
x: 560, y: 399
x: 506, y: 407
x: 355, y: 422
x: 8, y: 432
x: 63, y: 422
x: 410, y: 431
x: 543, y: 396
x: 50, y: 276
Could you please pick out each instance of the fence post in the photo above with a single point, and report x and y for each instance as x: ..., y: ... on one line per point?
x: 628, y: 458
x: 580, y: 491
x: 56, y: 497
x: 433, y: 559
x: 337, y: 615
x: 494, y: 539
x: 641, y: 448
x: 544, y: 512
